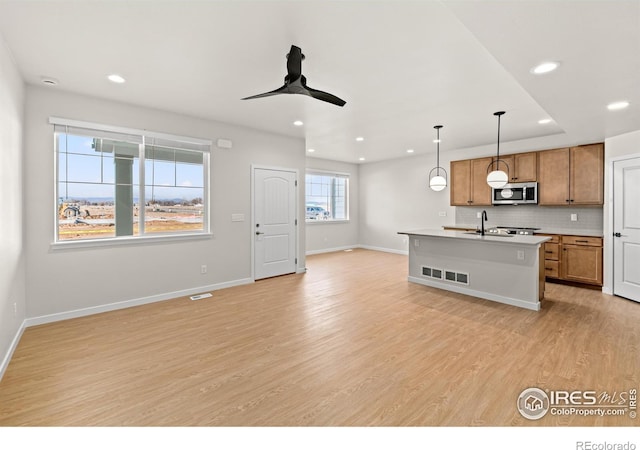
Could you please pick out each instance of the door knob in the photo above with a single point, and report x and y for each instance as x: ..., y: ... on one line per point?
x: 258, y: 233
x: 619, y: 235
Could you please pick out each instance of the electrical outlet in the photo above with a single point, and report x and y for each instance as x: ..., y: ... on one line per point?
x: 574, y: 217
x: 442, y: 214
x: 203, y: 269
x: 15, y: 310
x: 478, y: 215
x: 416, y: 243
x: 520, y: 255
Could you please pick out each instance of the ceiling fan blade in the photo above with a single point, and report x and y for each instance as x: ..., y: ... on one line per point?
x: 294, y: 63
x: 324, y: 96
x: 280, y: 90
x: 296, y: 83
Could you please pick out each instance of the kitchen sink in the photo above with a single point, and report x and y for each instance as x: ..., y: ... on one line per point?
x: 490, y: 234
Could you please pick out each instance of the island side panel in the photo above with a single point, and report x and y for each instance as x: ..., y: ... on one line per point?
x: 494, y: 269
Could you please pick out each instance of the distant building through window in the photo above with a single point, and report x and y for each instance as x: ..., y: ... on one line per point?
x: 121, y: 184
x: 326, y: 196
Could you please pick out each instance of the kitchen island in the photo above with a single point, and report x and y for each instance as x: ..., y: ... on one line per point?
x: 505, y: 268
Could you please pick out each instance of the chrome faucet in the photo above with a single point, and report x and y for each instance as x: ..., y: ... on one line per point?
x: 483, y: 219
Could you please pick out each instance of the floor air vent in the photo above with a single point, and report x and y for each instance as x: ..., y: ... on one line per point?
x: 447, y: 275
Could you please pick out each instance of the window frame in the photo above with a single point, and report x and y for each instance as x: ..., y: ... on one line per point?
x: 334, y: 174
x: 202, y: 146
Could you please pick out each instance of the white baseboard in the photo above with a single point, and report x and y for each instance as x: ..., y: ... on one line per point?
x: 330, y: 250
x: 32, y: 321
x: 473, y: 293
x: 12, y: 348
x: 386, y: 250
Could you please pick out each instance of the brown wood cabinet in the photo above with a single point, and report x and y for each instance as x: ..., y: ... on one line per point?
x: 587, y: 175
x: 552, y: 257
x: 571, y: 176
x: 574, y: 258
x: 582, y: 259
x: 523, y: 167
x: 469, y: 182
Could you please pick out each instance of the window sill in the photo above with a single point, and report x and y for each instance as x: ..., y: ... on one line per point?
x: 127, y: 241
x: 325, y: 222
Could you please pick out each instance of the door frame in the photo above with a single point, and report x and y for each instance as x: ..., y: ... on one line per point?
x: 608, y: 225
x: 255, y: 167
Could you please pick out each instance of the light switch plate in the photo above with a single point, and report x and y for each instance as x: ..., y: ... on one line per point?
x: 237, y: 217
x: 574, y: 217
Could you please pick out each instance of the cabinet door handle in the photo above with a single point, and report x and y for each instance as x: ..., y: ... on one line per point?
x: 548, y: 251
x: 567, y: 200
x: 548, y: 268
x: 586, y: 242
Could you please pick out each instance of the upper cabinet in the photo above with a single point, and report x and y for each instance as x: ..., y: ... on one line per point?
x: 469, y: 182
x: 523, y: 167
x: 565, y: 176
x: 571, y: 176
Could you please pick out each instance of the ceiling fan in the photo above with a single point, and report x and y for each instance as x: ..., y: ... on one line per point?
x: 296, y: 83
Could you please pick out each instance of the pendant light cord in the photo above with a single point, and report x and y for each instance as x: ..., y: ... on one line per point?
x: 498, y: 147
x: 438, y: 151
x: 497, y: 167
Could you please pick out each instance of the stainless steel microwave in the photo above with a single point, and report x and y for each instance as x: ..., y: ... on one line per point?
x: 515, y: 194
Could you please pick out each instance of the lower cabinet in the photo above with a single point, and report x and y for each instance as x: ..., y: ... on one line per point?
x: 574, y: 258
x: 552, y: 257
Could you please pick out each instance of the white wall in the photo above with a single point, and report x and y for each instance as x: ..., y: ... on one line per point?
x: 395, y: 196
x: 327, y: 236
x: 75, y: 279
x: 615, y: 147
x: 12, y: 254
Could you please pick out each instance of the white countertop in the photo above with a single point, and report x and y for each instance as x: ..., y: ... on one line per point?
x: 504, y: 239
x: 564, y: 231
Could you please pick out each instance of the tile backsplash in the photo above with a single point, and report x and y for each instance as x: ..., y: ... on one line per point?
x: 533, y: 216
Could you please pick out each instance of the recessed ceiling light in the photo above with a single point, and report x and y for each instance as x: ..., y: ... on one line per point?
x: 410, y: 150
x: 544, y: 121
x: 359, y: 139
x: 49, y: 81
x: 115, y: 78
x: 617, y: 105
x: 361, y: 159
x: 545, y: 67
x: 311, y: 150
x: 298, y: 123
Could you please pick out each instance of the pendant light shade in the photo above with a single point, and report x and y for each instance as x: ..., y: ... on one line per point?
x: 497, y: 178
x: 438, y: 180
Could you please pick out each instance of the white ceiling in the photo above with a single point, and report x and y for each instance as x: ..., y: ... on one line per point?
x: 402, y: 66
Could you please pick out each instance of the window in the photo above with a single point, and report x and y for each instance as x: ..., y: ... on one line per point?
x: 326, y: 197
x: 116, y: 183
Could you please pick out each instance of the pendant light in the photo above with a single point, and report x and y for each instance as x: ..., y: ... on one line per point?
x: 438, y: 182
x: 497, y: 178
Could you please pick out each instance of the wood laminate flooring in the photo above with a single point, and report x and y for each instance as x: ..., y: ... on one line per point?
x: 349, y: 343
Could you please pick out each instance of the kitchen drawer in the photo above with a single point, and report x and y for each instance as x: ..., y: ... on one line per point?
x: 551, y: 269
x: 555, y: 239
x: 551, y: 251
x: 582, y: 240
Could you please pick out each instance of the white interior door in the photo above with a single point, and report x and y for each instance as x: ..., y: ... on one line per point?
x: 626, y: 227
x: 274, y: 226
